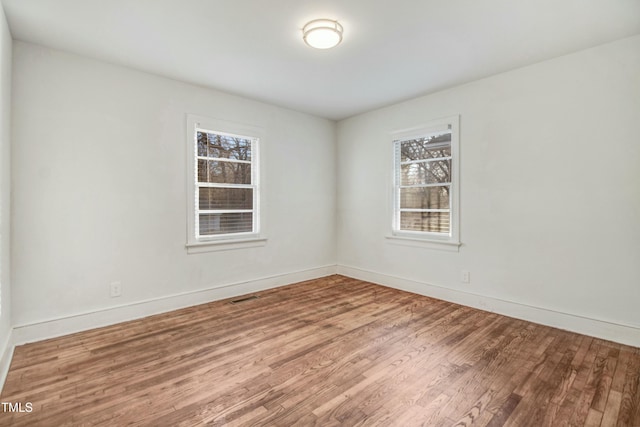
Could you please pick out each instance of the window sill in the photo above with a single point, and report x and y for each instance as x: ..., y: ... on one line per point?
x: 225, y: 245
x: 442, y: 245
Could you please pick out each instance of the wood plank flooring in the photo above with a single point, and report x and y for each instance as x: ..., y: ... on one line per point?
x: 329, y: 352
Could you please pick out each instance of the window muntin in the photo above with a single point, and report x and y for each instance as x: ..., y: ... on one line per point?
x: 425, y: 182
x: 226, y: 185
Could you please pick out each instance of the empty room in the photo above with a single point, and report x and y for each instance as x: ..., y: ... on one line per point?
x: 320, y: 213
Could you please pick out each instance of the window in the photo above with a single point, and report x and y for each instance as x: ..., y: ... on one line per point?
x: 425, y: 190
x: 224, y: 177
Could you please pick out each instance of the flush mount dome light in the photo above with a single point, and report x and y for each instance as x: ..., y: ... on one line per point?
x: 322, y: 33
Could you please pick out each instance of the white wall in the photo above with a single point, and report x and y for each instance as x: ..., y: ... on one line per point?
x: 5, y: 189
x: 99, y: 187
x: 550, y: 190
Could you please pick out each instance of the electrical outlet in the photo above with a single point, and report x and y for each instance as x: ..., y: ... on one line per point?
x: 116, y: 289
x: 465, y: 276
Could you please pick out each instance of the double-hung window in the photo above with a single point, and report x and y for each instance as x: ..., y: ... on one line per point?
x: 425, y: 191
x: 224, y: 190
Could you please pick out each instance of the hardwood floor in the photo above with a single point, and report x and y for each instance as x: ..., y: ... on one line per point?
x: 327, y: 352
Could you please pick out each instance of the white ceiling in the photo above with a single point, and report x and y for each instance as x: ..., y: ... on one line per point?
x: 392, y: 49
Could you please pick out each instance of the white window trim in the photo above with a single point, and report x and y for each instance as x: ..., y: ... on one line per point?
x: 449, y: 242
x: 224, y: 241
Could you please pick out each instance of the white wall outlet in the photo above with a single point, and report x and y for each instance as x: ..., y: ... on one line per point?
x: 116, y: 289
x: 465, y: 276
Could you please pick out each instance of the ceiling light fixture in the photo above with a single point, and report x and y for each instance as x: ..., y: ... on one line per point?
x: 322, y: 33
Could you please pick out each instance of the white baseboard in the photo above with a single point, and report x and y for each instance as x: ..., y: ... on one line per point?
x: 6, y: 354
x: 52, y: 328
x: 612, y: 331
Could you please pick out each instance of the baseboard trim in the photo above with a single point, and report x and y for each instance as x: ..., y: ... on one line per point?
x: 612, y: 331
x: 6, y: 356
x: 38, y: 331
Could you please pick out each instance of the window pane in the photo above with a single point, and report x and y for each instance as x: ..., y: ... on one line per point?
x: 222, y: 172
x: 426, y: 172
x: 225, y: 198
x: 240, y: 222
x: 223, y: 146
x: 202, y: 144
x: 229, y: 172
x: 424, y: 198
x: 426, y: 148
x: 202, y: 170
x: 435, y: 222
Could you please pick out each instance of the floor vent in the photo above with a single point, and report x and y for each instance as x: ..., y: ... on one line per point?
x: 243, y: 299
